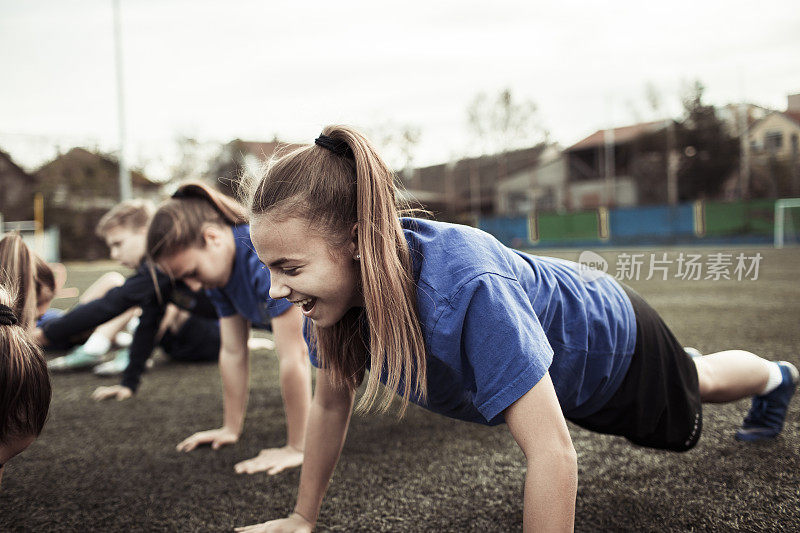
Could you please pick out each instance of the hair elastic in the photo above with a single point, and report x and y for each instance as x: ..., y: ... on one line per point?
x: 180, y: 193
x: 336, y: 146
x: 7, y: 316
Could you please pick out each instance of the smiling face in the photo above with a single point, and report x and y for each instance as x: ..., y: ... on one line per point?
x: 127, y: 245
x: 206, y: 267
x: 306, y: 269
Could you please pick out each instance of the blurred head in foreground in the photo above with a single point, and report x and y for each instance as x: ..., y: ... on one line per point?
x: 24, y: 381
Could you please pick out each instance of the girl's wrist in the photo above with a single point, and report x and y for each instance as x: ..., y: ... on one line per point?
x: 295, y: 514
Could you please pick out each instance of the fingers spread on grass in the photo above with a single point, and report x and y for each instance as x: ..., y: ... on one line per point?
x: 271, y: 461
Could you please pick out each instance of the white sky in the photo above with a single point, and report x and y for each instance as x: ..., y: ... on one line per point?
x: 216, y: 70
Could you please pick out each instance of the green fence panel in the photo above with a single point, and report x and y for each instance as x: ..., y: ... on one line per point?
x: 571, y: 227
x: 755, y: 217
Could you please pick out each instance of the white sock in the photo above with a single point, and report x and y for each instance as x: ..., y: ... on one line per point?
x: 775, y: 378
x: 97, y: 344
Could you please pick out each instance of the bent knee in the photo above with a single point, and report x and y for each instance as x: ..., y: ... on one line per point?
x: 109, y: 280
x: 706, y: 379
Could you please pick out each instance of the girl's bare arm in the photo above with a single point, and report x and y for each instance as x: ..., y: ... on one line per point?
x: 551, y: 482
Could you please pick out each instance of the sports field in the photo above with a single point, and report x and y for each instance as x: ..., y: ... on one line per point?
x: 113, y: 466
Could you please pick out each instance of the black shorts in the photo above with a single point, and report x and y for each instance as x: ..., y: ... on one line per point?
x: 658, y: 403
x: 196, y: 340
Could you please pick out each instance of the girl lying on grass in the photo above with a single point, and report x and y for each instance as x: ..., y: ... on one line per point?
x: 448, y: 318
x: 24, y: 381
x: 201, y: 237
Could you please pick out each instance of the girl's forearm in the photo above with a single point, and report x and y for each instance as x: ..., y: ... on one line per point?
x: 234, y: 370
x: 551, y: 485
x: 325, y: 436
x: 295, y: 377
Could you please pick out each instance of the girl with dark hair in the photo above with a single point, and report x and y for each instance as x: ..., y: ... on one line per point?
x: 448, y: 318
x: 201, y: 237
x: 24, y: 381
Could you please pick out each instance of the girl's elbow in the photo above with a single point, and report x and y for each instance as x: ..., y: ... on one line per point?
x: 563, y: 456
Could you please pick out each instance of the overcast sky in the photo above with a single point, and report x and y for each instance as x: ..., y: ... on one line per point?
x: 216, y: 70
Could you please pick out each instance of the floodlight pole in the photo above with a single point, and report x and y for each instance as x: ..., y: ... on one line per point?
x: 608, y: 162
x: 124, y: 172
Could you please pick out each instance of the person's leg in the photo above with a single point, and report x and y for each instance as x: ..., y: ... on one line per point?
x: 735, y: 374
x: 731, y: 375
x: 99, y: 342
x: 191, y: 338
x: 99, y: 288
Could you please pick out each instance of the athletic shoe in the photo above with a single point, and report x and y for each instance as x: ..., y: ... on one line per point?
x: 115, y: 366
x: 692, y: 352
x: 75, y: 360
x: 768, y: 411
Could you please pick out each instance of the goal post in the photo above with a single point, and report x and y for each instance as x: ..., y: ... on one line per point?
x: 785, y: 220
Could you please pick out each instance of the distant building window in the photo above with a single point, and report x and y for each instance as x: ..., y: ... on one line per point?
x: 773, y: 140
x: 546, y: 201
x: 794, y: 143
x: 519, y: 203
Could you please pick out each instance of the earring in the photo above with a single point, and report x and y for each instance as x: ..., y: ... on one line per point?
x: 357, y: 257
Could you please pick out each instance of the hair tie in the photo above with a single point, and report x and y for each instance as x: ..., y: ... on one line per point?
x: 7, y: 316
x: 180, y: 193
x: 336, y: 146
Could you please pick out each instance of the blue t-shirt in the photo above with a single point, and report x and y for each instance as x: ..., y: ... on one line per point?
x: 247, y: 290
x: 495, y: 320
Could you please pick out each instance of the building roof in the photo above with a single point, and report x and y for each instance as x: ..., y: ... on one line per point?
x: 12, y: 165
x: 76, y: 155
x: 794, y: 115
x: 621, y: 135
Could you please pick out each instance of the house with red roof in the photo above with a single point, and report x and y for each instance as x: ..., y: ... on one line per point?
x: 774, y: 146
x: 602, y: 168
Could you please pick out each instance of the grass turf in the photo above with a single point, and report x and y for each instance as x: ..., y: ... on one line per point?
x: 113, y: 466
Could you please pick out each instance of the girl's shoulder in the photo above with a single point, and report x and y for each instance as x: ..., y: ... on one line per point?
x: 447, y: 256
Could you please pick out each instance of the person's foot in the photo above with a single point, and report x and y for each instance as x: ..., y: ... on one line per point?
x: 115, y: 366
x: 768, y: 411
x: 75, y: 360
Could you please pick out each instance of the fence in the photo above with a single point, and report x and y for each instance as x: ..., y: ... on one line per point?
x: 700, y: 222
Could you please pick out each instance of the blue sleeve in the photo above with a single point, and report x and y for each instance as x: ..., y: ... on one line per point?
x: 222, y: 303
x: 278, y: 307
x: 504, y: 349
x: 312, y: 352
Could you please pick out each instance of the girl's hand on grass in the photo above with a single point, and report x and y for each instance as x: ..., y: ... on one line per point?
x: 293, y: 524
x: 216, y: 437
x: 119, y: 392
x: 272, y: 461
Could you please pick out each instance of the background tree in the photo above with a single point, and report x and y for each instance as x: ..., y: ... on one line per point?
x: 709, y: 155
x: 502, y: 123
x: 396, y: 142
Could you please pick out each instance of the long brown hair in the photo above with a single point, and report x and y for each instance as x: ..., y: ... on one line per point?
x: 334, y: 192
x: 17, y: 272
x: 24, y: 381
x: 179, y: 222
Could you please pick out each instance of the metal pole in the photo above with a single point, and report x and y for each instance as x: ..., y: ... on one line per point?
x: 672, y: 174
x: 608, y: 138
x: 778, y: 237
x: 744, y: 153
x: 124, y: 173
